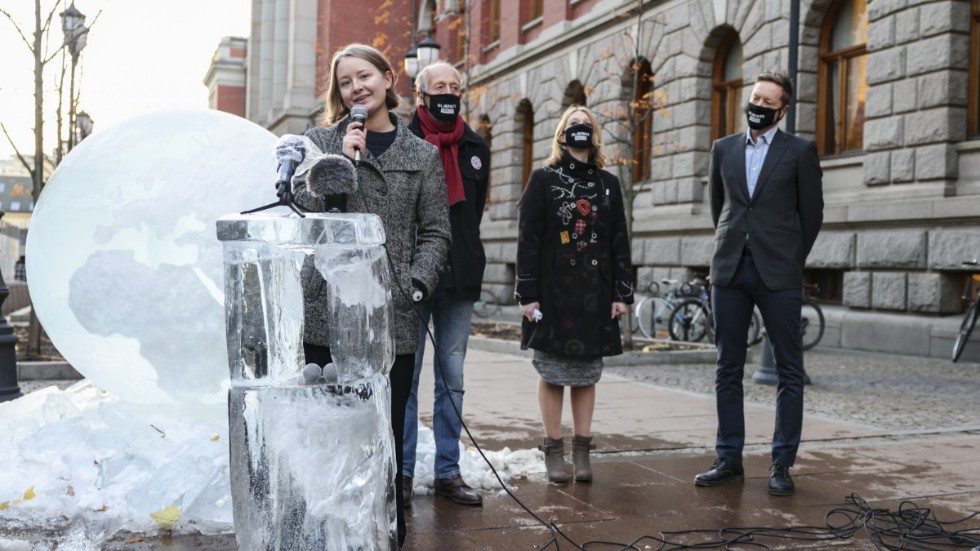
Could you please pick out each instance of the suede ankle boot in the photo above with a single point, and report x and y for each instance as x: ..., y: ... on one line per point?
x: 554, y: 459
x: 581, y: 445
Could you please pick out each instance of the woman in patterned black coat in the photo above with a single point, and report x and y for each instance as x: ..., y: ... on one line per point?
x: 574, y: 267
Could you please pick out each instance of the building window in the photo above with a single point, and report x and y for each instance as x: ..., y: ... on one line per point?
x: 525, y: 121
x: 535, y: 9
x: 643, y: 105
x: 726, y: 101
x: 574, y: 95
x: 843, y: 86
x: 973, y: 105
x: 492, y: 21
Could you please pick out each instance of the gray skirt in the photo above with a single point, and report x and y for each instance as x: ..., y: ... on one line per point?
x: 561, y: 370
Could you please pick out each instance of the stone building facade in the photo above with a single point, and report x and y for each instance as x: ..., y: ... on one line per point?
x: 889, y: 90
x: 901, y: 155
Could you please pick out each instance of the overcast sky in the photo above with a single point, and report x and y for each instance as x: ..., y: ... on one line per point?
x: 141, y: 55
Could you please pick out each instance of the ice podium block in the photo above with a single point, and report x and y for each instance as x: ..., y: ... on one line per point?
x: 312, y: 459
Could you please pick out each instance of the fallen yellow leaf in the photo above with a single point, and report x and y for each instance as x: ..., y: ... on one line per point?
x: 4, y: 506
x: 216, y: 437
x: 168, y: 516
x: 29, y: 494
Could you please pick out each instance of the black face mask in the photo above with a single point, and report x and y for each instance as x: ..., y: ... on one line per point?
x: 579, y: 136
x: 444, y: 107
x: 760, y: 117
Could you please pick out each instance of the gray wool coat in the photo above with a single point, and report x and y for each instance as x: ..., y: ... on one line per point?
x: 405, y: 186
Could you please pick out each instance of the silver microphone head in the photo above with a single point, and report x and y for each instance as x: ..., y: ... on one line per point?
x: 358, y: 113
x: 312, y: 374
x: 330, y: 373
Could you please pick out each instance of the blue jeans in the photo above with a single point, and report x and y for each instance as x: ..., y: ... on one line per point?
x: 451, y: 329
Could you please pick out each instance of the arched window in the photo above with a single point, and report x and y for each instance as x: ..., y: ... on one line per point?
x: 843, y: 86
x: 525, y: 121
x: 574, y: 95
x: 974, y: 74
x: 726, y: 80
x: 643, y: 106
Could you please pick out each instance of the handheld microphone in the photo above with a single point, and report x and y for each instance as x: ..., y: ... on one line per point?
x: 358, y: 113
x: 290, y: 151
x: 334, y: 179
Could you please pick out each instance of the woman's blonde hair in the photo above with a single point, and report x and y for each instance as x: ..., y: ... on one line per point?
x: 334, y: 103
x: 558, y: 148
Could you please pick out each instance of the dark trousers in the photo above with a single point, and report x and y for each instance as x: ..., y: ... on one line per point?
x: 732, y: 307
x: 400, y: 379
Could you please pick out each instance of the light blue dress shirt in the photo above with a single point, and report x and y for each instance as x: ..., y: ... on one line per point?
x: 755, y: 155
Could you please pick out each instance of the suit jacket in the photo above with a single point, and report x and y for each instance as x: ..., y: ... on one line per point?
x: 781, y: 220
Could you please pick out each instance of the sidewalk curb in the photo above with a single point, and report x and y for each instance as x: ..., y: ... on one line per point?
x: 626, y: 359
x: 46, y: 371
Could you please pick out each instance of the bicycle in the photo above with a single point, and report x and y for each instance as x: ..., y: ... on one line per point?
x: 970, y: 320
x: 692, y: 320
x: 487, y: 305
x: 812, y: 322
x: 651, y: 312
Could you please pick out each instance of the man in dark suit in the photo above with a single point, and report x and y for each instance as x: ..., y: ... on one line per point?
x: 767, y: 207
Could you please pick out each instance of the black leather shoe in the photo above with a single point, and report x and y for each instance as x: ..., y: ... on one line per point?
x: 407, y: 492
x: 723, y: 471
x: 780, y: 482
x: 455, y: 489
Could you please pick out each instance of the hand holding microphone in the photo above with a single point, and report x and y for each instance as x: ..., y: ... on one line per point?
x: 356, y: 141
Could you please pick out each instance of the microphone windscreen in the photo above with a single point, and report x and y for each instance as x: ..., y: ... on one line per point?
x: 332, y: 175
x: 358, y: 113
x: 291, y: 147
x: 312, y: 374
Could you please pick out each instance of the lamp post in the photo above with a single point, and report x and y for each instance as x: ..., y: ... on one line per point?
x: 9, y: 390
x: 76, y: 36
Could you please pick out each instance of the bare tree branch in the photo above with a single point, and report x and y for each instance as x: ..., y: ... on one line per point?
x: 17, y: 28
x: 23, y: 160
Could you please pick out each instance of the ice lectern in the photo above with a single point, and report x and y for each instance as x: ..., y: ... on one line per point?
x: 312, y: 464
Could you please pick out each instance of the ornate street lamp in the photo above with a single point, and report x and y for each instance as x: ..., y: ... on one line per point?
x: 76, y: 36
x: 85, y: 124
x: 411, y: 64
x: 428, y: 52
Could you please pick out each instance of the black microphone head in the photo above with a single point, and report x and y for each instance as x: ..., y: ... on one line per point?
x: 358, y: 113
x: 332, y: 175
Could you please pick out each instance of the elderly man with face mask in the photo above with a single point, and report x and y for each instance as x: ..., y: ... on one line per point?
x: 466, y: 162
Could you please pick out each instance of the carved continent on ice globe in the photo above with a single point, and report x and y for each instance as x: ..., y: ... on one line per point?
x: 123, y: 264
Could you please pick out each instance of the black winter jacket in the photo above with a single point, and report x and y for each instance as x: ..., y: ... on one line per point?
x: 463, y: 272
x: 573, y: 256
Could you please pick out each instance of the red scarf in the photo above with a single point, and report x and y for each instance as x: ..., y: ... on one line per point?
x: 448, y: 144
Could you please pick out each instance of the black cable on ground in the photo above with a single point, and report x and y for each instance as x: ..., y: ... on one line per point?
x: 910, y: 528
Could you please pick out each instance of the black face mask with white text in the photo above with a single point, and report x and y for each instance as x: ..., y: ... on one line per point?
x: 578, y: 136
x: 444, y: 107
x: 760, y: 117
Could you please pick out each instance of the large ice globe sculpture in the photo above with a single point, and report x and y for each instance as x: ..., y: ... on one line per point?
x: 123, y: 264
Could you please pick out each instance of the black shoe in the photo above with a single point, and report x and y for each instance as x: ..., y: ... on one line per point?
x: 780, y: 482
x: 455, y: 489
x: 721, y: 472
x: 406, y: 492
